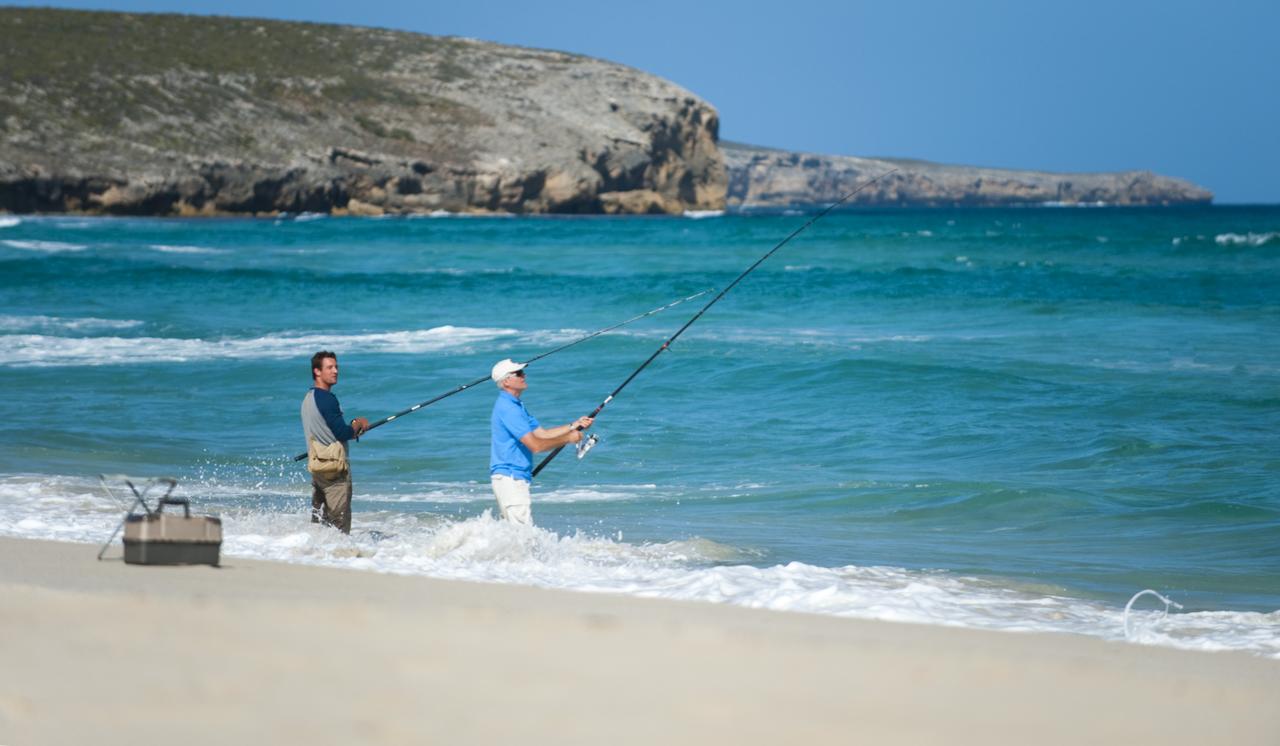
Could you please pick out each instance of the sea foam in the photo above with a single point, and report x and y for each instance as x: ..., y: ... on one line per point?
x: 60, y: 323
x: 46, y: 246
x: 483, y: 548
x: 168, y: 249
x: 44, y: 350
x: 1247, y: 239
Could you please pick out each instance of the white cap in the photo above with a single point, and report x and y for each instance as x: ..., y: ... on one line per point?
x: 504, y: 368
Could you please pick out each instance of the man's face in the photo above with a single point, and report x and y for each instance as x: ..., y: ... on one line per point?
x: 328, y: 371
x: 516, y: 381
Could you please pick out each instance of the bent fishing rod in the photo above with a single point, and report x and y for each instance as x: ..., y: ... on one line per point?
x: 561, y: 348
x: 586, y: 445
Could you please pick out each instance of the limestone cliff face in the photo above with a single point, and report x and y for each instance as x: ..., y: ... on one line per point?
x: 163, y: 114
x: 766, y: 178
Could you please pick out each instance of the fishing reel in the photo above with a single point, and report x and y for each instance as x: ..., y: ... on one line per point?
x: 586, y: 444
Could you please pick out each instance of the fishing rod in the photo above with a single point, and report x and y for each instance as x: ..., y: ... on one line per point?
x: 585, y: 445
x: 561, y: 348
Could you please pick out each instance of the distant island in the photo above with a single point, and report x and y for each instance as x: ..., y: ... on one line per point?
x: 141, y: 114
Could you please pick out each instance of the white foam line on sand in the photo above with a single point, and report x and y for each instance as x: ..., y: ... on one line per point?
x: 102, y: 652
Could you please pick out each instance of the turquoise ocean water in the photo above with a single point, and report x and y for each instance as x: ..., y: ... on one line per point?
x: 1012, y: 419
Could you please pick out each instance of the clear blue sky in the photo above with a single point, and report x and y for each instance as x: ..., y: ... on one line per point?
x: 1188, y: 89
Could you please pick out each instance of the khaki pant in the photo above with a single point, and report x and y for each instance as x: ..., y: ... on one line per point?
x: 331, y: 500
x: 513, y: 498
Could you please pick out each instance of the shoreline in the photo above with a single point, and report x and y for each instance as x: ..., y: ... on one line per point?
x: 259, y: 651
x: 743, y: 210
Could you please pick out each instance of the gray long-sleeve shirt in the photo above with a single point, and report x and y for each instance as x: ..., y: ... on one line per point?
x: 322, y: 419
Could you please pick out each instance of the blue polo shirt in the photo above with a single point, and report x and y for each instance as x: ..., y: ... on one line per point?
x: 510, y: 422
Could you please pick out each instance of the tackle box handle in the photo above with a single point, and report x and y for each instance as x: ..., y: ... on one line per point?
x: 184, y: 502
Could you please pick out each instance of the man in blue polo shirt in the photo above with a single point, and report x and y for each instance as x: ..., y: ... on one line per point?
x: 516, y: 436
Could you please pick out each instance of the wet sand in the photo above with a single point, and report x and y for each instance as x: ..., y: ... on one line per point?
x: 260, y: 652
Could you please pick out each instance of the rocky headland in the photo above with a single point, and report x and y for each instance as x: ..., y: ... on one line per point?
x: 141, y: 114
x: 168, y: 114
x: 767, y: 178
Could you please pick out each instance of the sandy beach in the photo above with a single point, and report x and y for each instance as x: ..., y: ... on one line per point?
x: 259, y: 652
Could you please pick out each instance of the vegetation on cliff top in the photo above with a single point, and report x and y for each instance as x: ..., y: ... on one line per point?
x: 107, y: 72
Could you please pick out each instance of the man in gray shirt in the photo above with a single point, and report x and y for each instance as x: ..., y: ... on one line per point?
x: 323, y: 425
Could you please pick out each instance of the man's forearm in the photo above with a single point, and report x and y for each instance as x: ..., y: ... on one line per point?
x: 560, y: 432
x: 551, y: 433
x: 549, y: 439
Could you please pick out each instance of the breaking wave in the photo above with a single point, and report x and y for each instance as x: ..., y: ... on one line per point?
x: 168, y: 249
x: 61, y: 323
x: 46, y: 246
x: 1246, y: 239
x: 45, y: 350
x: 482, y: 548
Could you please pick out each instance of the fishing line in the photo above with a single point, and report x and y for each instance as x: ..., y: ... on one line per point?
x: 586, y: 445
x: 561, y: 348
x: 1128, y: 633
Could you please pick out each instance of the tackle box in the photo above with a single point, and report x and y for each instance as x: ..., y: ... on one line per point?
x: 161, y: 538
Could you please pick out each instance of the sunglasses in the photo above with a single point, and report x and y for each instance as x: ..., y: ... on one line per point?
x: 519, y: 373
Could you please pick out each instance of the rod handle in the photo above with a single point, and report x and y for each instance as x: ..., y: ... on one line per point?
x: 547, y: 460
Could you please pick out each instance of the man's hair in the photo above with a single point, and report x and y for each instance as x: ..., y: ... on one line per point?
x: 317, y: 360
